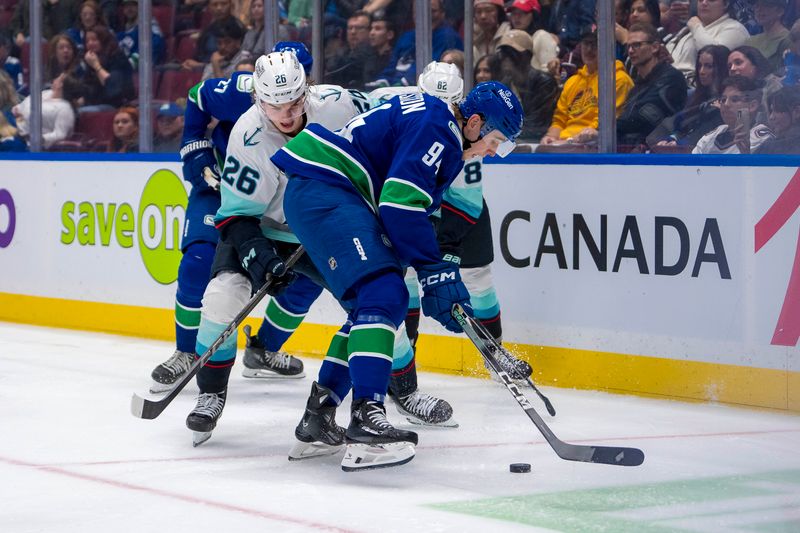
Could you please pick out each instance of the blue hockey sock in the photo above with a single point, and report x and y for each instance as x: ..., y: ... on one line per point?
x: 370, y: 354
x: 335, y: 370
x: 286, y: 312
x: 193, y: 276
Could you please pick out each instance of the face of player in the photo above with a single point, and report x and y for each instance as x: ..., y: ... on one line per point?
x: 288, y: 117
x: 490, y: 144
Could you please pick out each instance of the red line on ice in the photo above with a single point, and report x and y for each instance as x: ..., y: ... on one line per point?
x: 174, y: 495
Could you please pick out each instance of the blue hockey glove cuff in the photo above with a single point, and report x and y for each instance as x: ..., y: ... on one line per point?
x: 442, y: 287
x: 197, y: 156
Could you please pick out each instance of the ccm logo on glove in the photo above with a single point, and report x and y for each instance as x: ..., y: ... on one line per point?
x: 438, y: 278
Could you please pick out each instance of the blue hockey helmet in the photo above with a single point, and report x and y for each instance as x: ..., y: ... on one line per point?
x: 499, y: 107
x: 303, y: 55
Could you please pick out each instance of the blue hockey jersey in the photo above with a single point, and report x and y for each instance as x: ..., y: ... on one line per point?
x: 400, y: 157
x: 217, y: 98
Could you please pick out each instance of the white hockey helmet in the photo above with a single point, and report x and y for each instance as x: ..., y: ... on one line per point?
x: 442, y: 80
x: 279, y: 78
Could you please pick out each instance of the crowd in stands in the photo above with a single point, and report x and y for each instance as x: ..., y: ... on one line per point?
x: 702, y: 76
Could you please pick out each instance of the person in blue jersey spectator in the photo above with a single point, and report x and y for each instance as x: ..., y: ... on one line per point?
x: 359, y: 200
x: 129, y: 36
x: 10, y: 64
x: 401, y: 69
x: 89, y: 16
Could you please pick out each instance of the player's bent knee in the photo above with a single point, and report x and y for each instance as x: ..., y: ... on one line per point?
x: 225, y: 296
x: 384, y: 295
x: 195, y: 267
x: 477, y: 280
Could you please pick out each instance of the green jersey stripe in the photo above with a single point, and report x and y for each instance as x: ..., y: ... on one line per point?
x: 315, y: 151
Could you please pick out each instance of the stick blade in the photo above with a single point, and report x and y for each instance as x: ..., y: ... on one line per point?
x: 617, y: 456
x: 143, y: 408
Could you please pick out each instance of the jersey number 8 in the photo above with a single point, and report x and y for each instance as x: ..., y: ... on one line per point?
x: 247, y: 178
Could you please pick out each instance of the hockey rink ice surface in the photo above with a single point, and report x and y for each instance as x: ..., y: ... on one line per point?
x: 73, y: 458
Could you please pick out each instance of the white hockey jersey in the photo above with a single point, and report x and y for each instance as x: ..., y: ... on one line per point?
x: 250, y: 184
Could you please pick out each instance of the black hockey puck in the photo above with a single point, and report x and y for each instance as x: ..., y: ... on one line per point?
x: 520, y: 468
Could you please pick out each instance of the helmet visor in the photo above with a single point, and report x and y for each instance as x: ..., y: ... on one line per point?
x: 283, y: 114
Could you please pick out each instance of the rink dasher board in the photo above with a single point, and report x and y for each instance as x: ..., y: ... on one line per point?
x: 677, y: 302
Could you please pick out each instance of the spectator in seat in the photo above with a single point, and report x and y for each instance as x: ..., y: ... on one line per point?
x: 382, y: 35
x: 8, y: 97
x: 639, y: 11
x: 483, y: 71
x: 784, y: 121
x: 107, y: 73
x: 89, y: 16
x: 169, y: 128
x: 569, y: 18
x: 125, y: 130
x: 57, y: 17
x: 221, y: 13
x: 740, y: 132
x: 11, y: 65
x: 674, y: 15
x: 128, y: 38
x: 576, y: 117
x: 402, y: 66
x: 659, y: 91
x: 537, y: 91
x: 10, y: 141
x: 253, y: 40
x: 701, y: 114
x: 791, y: 58
x: 58, y: 111
x: 774, y: 40
x: 712, y: 25
x: 348, y: 68
x: 749, y: 62
x: 524, y: 15
x: 63, y: 57
x: 228, y: 36
x: 454, y: 57
x: 490, y: 24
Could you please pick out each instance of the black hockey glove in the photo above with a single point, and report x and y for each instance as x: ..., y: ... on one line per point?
x: 442, y: 287
x: 200, y: 165
x: 259, y: 259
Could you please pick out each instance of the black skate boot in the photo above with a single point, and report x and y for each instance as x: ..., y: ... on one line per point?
x: 203, y: 418
x: 372, y: 442
x: 425, y: 410
x: 317, y: 433
x: 260, y: 363
x: 167, y: 373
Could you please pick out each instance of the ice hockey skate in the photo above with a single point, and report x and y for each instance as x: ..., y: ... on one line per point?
x: 261, y: 363
x: 203, y: 418
x: 372, y: 442
x: 425, y: 410
x: 317, y: 433
x: 167, y: 373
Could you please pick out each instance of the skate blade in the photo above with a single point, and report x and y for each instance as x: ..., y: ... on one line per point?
x: 259, y: 373
x: 199, y: 437
x: 449, y: 423
x: 360, y: 457
x: 306, y: 450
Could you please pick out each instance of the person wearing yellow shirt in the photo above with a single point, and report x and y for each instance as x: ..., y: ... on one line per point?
x: 575, y: 118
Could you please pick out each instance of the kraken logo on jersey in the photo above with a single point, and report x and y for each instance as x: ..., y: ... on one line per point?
x: 332, y: 263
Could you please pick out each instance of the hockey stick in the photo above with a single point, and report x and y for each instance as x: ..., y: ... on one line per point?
x: 495, y: 348
x: 610, y: 455
x: 150, y: 409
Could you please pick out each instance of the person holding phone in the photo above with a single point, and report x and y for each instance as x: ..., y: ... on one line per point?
x: 738, y: 106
